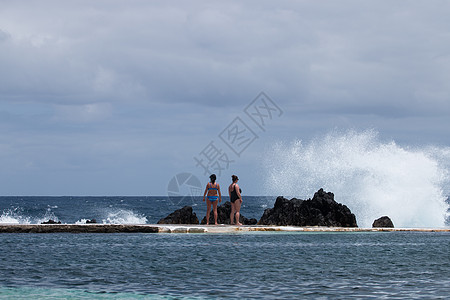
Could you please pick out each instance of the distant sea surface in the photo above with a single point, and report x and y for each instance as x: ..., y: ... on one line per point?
x: 399, y: 265
x: 111, y: 210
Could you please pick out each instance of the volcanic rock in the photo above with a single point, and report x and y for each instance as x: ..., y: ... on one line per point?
x: 223, y: 216
x: 321, y: 210
x: 184, y: 215
x: 383, y: 222
x: 51, y: 222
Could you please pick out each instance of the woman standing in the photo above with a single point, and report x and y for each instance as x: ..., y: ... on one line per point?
x: 212, y: 189
x: 236, y: 200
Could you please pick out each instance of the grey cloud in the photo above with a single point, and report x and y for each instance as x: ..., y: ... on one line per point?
x: 329, y: 55
x: 169, y: 76
x: 4, y: 36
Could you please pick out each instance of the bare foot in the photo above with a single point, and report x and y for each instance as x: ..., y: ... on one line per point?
x: 216, y: 224
x: 239, y: 224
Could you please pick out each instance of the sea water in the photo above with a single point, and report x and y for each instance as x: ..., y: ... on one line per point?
x: 396, y: 265
x: 110, y: 210
x: 207, y: 266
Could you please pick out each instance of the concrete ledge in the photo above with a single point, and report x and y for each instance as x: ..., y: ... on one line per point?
x: 75, y: 228
x: 154, y: 228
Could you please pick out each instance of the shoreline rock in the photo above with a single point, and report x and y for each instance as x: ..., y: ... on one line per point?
x: 51, y: 222
x: 321, y: 210
x: 383, y: 222
x: 183, y: 215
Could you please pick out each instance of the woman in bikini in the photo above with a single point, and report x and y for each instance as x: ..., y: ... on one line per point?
x: 236, y: 200
x: 212, y: 189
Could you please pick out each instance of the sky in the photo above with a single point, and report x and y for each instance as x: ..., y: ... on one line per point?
x: 120, y: 97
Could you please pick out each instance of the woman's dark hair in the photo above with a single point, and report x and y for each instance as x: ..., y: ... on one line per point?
x: 234, y: 178
x: 213, y: 178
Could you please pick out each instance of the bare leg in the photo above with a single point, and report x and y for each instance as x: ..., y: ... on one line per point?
x: 238, y: 208
x: 233, y: 211
x: 215, y: 211
x: 208, y: 211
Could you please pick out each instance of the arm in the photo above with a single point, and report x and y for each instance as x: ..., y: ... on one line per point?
x: 238, y: 192
x: 220, y: 194
x: 204, y: 194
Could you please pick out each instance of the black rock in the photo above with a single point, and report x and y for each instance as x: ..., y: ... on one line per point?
x: 321, y: 210
x: 93, y: 221
x: 181, y: 216
x: 223, y: 216
x: 51, y: 222
x: 383, y: 222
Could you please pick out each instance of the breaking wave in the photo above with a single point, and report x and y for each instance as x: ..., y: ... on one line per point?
x: 373, y: 178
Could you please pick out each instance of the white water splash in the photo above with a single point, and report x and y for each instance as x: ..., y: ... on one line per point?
x: 17, y: 216
x: 371, y: 177
x: 124, y: 217
x: 13, y: 216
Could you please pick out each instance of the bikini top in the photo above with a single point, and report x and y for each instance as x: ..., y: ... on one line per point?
x: 210, y: 186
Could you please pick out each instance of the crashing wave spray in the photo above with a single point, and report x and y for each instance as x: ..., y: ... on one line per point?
x: 371, y: 177
x: 123, y: 216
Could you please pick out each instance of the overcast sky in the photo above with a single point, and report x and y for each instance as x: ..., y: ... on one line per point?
x: 117, y: 97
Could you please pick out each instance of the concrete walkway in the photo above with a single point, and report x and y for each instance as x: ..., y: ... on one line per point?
x: 156, y: 228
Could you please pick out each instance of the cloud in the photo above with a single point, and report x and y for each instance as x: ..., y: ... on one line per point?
x: 169, y: 76
x: 4, y: 36
x: 331, y: 56
x: 84, y: 113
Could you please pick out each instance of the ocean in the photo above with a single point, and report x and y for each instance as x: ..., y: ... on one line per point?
x: 110, y: 210
x: 400, y: 265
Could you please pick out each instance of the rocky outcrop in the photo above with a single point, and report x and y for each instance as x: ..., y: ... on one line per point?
x: 383, y: 222
x: 223, y: 216
x: 51, y: 222
x: 321, y: 210
x: 184, y: 215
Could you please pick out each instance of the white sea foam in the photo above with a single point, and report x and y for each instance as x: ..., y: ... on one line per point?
x: 5, y: 219
x: 13, y: 216
x: 124, y: 217
x: 16, y: 216
x: 371, y: 177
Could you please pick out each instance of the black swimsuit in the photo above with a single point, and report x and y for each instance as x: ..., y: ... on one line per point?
x: 234, y: 195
